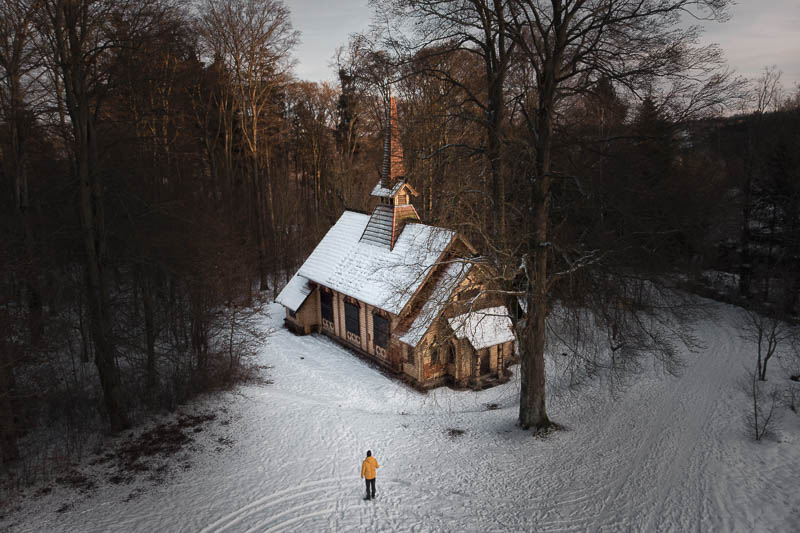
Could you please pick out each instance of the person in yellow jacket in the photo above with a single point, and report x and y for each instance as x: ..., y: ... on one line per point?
x: 368, y: 468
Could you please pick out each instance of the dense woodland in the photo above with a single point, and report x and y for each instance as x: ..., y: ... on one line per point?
x: 162, y: 173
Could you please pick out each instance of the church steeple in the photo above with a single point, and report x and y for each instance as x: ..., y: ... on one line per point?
x: 392, y: 167
x: 393, y: 150
x: 395, y: 209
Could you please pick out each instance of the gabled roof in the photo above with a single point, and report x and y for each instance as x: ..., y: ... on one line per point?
x: 452, y: 275
x: 295, y: 293
x: 373, y: 274
x: 483, y: 327
x: 385, y: 192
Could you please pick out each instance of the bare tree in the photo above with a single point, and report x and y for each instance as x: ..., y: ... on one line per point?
x: 763, y: 96
x: 253, y: 40
x: 80, y: 38
x: 760, y: 421
x: 569, y: 45
x: 768, y: 333
x: 138, y: 237
x: 20, y: 67
x: 560, y: 49
x: 480, y: 30
x: 19, y: 64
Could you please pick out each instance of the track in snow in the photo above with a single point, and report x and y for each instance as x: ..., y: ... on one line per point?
x: 667, y: 455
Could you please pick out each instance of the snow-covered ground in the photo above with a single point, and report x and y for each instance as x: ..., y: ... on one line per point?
x: 666, y: 454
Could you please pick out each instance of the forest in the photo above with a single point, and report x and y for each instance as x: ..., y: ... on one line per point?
x: 163, y: 173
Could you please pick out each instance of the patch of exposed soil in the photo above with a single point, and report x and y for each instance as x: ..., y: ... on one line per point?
x: 77, y: 480
x: 149, y: 453
x: 164, y: 440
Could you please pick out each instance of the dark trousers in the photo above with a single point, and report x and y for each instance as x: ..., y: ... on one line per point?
x: 371, y: 483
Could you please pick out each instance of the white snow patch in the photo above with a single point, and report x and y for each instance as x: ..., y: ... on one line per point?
x: 666, y: 454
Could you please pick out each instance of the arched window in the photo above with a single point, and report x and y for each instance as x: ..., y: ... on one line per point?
x: 451, y: 353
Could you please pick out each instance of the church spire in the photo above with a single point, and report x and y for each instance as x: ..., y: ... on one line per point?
x: 392, y: 168
x: 394, y: 210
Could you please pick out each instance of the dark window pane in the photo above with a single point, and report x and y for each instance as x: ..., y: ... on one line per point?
x: 380, y: 330
x: 351, y: 321
x: 327, y: 306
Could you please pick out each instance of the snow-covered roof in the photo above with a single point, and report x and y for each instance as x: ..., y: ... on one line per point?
x: 384, y: 192
x: 451, y: 277
x: 294, y: 293
x: 374, y: 274
x: 484, y: 327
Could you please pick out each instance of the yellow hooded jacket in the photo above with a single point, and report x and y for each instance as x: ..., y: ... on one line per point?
x: 368, y: 468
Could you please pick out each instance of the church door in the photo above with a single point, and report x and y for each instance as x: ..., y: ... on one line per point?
x: 484, y: 355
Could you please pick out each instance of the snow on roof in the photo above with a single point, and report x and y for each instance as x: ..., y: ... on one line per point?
x: 384, y: 192
x: 374, y: 274
x: 484, y: 327
x: 294, y: 293
x: 452, y: 276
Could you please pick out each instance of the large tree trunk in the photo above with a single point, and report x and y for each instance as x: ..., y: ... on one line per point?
x: 532, y: 406
x: 532, y: 410
x: 71, y: 24
x: 93, y: 227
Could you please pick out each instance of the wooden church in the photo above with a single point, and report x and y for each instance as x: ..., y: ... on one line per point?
x: 407, y: 295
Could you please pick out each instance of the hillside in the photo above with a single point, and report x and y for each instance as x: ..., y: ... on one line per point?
x: 666, y: 454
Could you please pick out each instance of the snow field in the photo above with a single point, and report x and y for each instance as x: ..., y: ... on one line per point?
x: 666, y: 454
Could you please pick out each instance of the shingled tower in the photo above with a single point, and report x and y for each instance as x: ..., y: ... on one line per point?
x: 394, y: 209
